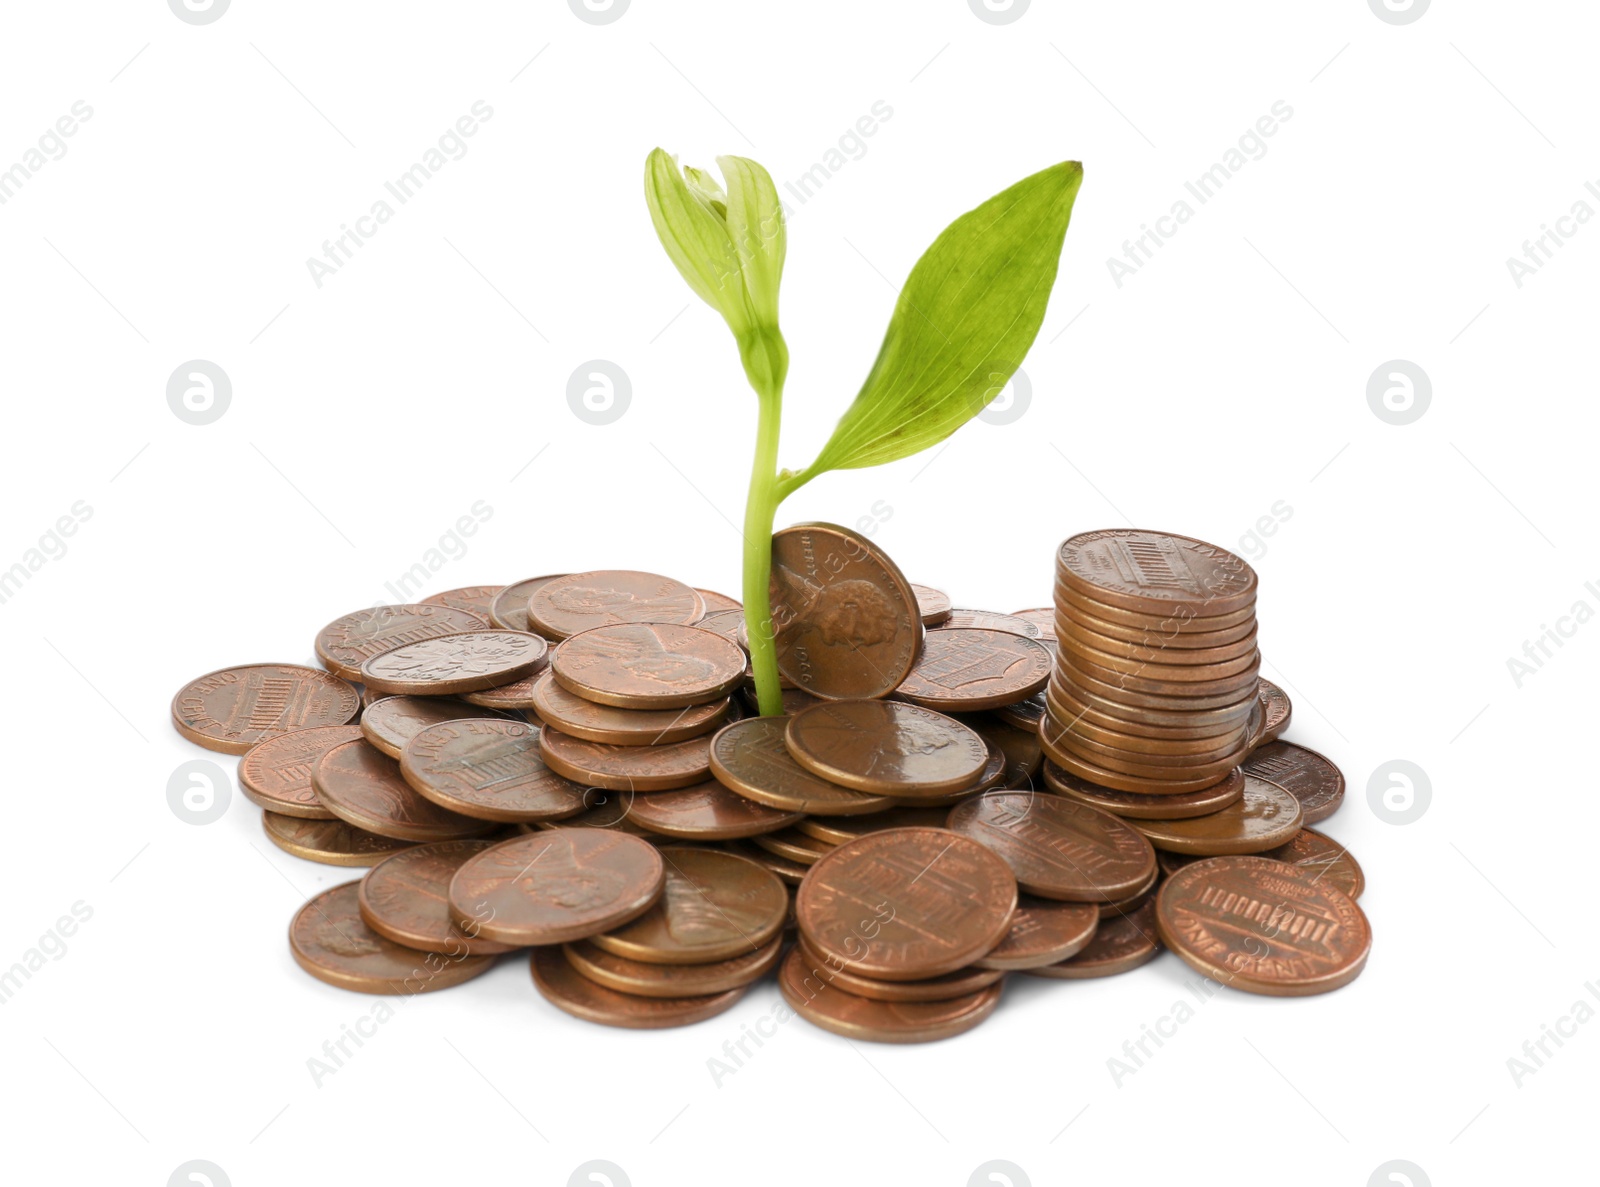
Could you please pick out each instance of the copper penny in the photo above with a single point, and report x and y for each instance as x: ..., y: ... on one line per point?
x: 933, y: 605
x: 1024, y: 715
x: 970, y: 668
x: 1168, y: 681
x: 1277, y: 708
x: 509, y: 610
x: 1143, y: 570
x: 1232, y: 748
x: 489, y: 770
x: 509, y: 698
x: 1043, y: 932
x: 643, y: 665
x: 1120, y: 944
x: 726, y: 623
x: 565, y: 988
x: 1122, y: 656
x: 604, y: 809
x: 1124, y: 725
x: 627, y: 768
x: 906, y: 904
x: 810, y: 994
x: 1234, y: 694
x: 276, y: 774
x: 1088, y: 732
x: 406, y: 898
x: 328, y: 842
x: 795, y: 845
x: 1146, y: 807
x: 794, y: 700
x: 836, y: 830
x: 1023, y: 755
x: 581, y: 601
x: 717, y: 602
x: 930, y: 989
x: 990, y: 620
x: 390, y: 722
x: 1158, y: 635
x: 845, y: 618
x: 347, y: 643
x: 790, y: 872
x: 1058, y: 848
x: 450, y: 664
x: 1328, y: 860
x: 556, y: 885
x: 362, y: 786
x: 1049, y: 731
x: 580, y: 718
x: 1263, y: 926
x: 1128, y: 905
x: 673, y: 980
x: 474, y: 599
x: 1043, y: 617
x: 330, y: 941
x: 1265, y: 817
x: 1165, y: 621
x: 708, y: 812
x: 1307, y: 775
x: 715, y: 905
x: 750, y: 757
x: 886, y: 748
x: 233, y: 709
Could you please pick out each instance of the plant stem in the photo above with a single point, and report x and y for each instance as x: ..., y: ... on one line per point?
x: 760, y: 508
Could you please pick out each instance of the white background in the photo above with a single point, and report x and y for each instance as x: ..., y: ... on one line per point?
x: 1227, y: 375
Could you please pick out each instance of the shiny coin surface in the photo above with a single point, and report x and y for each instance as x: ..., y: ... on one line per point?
x: 1263, y: 926
x: 714, y: 906
x: 474, y: 599
x: 1180, y: 619
x: 836, y: 830
x: 1043, y: 932
x: 790, y: 872
x: 276, y: 774
x: 391, y: 722
x: 846, y: 619
x: 1070, y: 700
x: 556, y: 885
x: 347, y: 643
x: 811, y: 995
x: 1307, y: 775
x: 1120, y: 944
x: 1049, y: 731
x: 1277, y: 709
x: 509, y: 610
x: 906, y: 904
x: 727, y: 623
x: 508, y: 698
x: 886, y: 748
x: 795, y: 845
x: 565, y: 988
x: 580, y: 718
x: 1236, y: 694
x: 608, y: 810
x: 930, y: 989
x: 989, y: 620
x: 489, y: 770
x: 970, y: 668
x: 645, y: 665
x: 1265, y: 817
x: 1146, y: 807
x: 1327, y: 860
x: 672, y: 980
x: 708, y: 812
x: 933, y: 605
x: 751, y: 758
x: 328, y: 842
x: 1143, y: 570
x: 581, y: 601
x: 1024, y: 715
x: 330, y: 941
x: 1192, y: 663
x: 718, y: 602
x: 1043, y: 617
x: 406, y: 898
x: 450, y: 664
x: 1023, y: 755
x: 627, y: 768
x: 362, y: 786
x: 1158, y: 634
x: 1134, y: 901
x: 1058, y: 848
x: 233, y: 709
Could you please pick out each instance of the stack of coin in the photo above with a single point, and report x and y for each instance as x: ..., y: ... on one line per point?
x: 1154, y: 689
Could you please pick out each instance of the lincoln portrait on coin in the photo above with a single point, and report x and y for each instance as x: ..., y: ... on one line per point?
x: 852, y: 613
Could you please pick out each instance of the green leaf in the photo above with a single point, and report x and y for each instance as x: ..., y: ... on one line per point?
x: 969, y: 311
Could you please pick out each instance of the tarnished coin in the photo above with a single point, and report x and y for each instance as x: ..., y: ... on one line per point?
x: 1263, y: 926
x: 989, y: 620
x: 673, y: 980
x: 328, y: 842
x: 1043, y: 932
x: 233, y: 709
x: 836, y: 830
x: 751, y: 758
x: 791, y: 873
x: 933, y: 605
x: 1120, y: 944
x: 391, y: 722
x: 970, y: 668
x: 1307, y: 775
x: 565, y: 988
x: 277, y: 773
x: 362, y: 786
x: 509, y: 610
x: 886, y: 748
x: 556, y: 885
x: 474, y: 599
x: 580, y: 718
x: 581, y: 601
x: 845, y: 618
x: 331, y: 942
x: 1058, y: 848
x: 714, y: 906
x: 717, y: 602
x: 930, y: 989
x: 1143, y: 571
x: 795, y: 845
x: 456, y: 663
x: 489, y: 770
x: 1144, y: 806
x: 708, y: 812
x: 810, y: 994
x: 1327, y: 860
x: 1043, y: 617
x: 644, y: 665
x: 1277, y: 709
x: 906, y: 904
x: 347, y: 643
x: 627, y: 768
x: 406, y: 898
x: 1265, y: 817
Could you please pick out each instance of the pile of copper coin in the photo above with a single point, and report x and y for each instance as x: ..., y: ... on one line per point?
x: 575, y: 765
